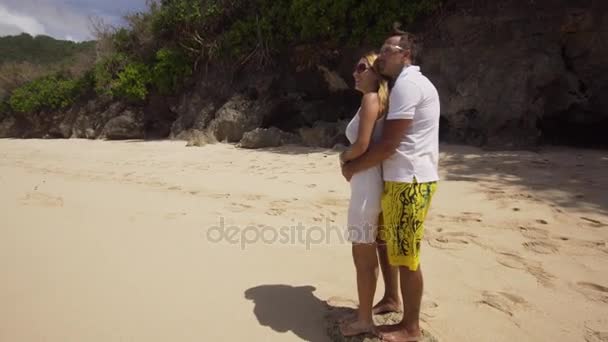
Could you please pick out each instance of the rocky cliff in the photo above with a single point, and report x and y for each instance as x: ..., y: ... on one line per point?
x: 520, y: 73
x: 511, y: 74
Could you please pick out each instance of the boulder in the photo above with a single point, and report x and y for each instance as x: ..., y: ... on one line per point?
x: 267, y: 137
x: 193, y: 112
x: 195, y: 137
x: 324, y: 134
x: 237, y: 116
x: 89, y: 120
x: 8, y: 127
x: 128, y: 125
x: 158, y: 117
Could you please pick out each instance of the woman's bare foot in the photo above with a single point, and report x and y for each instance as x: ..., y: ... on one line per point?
x: 356, y: 327
x: 349, y: 317
x: 386, y: 306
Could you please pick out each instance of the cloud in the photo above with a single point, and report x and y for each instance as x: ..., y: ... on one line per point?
x: 62, y: 18
x: 13, y: 23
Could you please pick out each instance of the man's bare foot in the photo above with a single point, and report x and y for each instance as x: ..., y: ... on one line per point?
x: 357, y: 328
x: 385, y: 306
x: 398, y: 333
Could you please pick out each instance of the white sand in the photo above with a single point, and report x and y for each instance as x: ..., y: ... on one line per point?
x: 109, y: 241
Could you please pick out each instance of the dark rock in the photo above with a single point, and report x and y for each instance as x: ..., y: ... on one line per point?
x: 324, y: 134
x: 195, y: 137
x: 89, y: 121
x: 239, y: 115
x: 509, y: 76
x: 193, y: 112
x: 8, y: 127
x: 128, y: 125
x: 267, y: 137
x: 158, y: 117
x: 64, y: 128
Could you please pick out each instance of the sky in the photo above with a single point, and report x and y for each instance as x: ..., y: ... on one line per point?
x: 62, y: 19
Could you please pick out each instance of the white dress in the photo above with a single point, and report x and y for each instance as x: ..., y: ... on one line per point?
x: 365, y: 192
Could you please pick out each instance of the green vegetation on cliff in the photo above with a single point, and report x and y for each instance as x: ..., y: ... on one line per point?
x: 162, y: 47
x: 30, y: 68
x: 41, y: 49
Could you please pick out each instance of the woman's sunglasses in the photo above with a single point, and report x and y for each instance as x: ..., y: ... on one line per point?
x: 361, y: 67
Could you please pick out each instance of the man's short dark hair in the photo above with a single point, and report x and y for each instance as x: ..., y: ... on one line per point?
x: 407, y: 41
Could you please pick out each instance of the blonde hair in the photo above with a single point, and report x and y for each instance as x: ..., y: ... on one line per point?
x: 383, y: 91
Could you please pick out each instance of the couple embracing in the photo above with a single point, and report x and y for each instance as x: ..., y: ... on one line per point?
x: 392, y: 167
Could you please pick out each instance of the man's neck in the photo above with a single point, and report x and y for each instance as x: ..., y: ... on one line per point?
x: 394, y: 78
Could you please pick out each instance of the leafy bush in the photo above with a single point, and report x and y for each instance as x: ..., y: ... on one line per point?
x: 132, y: 82
x: 161, y: 47
x: 351, y: 22
x: 51, y: 92
x: 106, y: 70
x: 170, y: 69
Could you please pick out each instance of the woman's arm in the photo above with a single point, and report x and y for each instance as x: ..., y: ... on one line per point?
x: 370, y: 107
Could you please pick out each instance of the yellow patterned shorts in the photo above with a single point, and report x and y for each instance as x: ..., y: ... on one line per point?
x: 404, y: 209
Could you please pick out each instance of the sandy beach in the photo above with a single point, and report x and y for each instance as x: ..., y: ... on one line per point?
x: 154, y: 241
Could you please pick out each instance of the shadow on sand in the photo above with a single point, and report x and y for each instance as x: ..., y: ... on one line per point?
x: 563, y: 177
x: 286, y: 308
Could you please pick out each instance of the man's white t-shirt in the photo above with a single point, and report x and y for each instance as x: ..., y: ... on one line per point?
x: 414, y: 97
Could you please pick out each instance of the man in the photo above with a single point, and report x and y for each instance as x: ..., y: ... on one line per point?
x: 409, y: 153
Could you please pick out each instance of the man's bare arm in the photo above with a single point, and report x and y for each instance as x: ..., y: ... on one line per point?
x: 392, y: 134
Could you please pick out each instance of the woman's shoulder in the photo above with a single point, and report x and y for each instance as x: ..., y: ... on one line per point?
x: 371, y: 97
x: 370, y: 102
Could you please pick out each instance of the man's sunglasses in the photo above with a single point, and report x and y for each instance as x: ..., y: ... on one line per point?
x: 391, y: 48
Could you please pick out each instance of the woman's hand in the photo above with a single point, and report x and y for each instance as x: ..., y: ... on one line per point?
x: 347, y: 172
x: 342, y: 159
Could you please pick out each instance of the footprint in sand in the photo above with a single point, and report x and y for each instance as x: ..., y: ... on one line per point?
x: 41, y: 199
x: 583, y: 247
x: 593, y: 223
x: 239, y: 207
x: 533, y: 233
x: 253, y: 197
x: 534, y: 268
x: 173, y: 216
x: 596, y: 331
x: 428, y: 310
x: 503, y: 301
x: 275, y: 211
x: 451, y: 240
x: 541, y: 247
x: 218, y: 196
x: 593, y: 292
x: 469, y: 217
x: 463, y: 217
x: 342, y: 302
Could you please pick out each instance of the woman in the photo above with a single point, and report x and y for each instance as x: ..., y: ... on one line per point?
x: 366, y: 190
